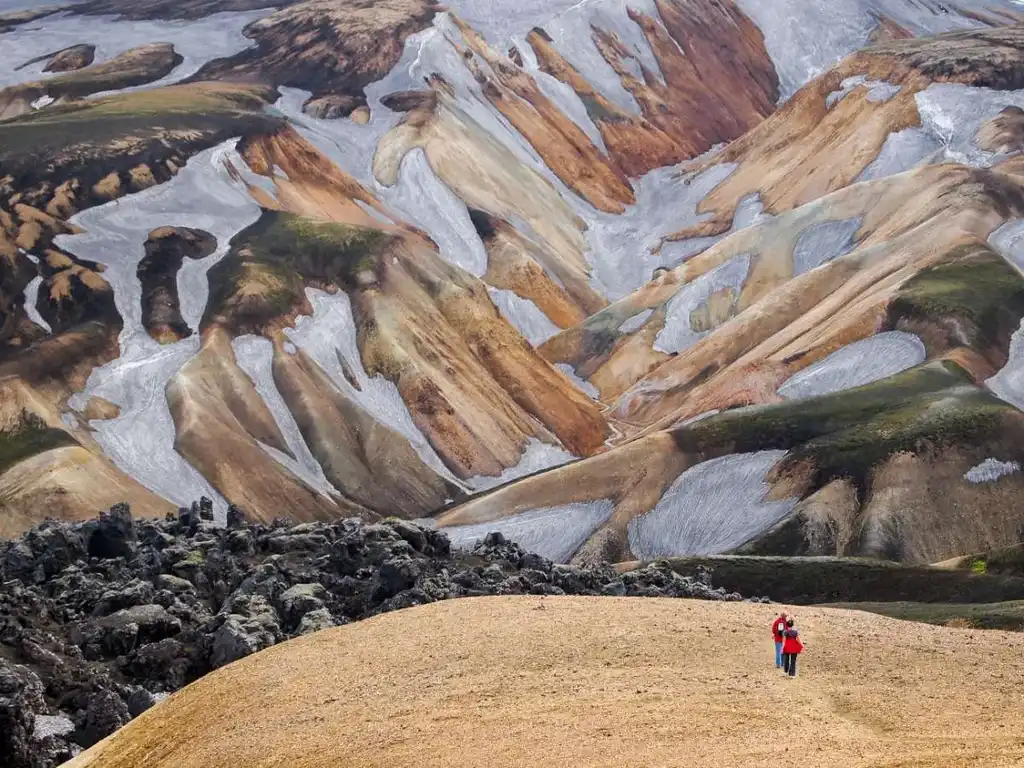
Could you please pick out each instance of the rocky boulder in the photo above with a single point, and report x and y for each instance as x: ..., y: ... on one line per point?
x: 113, y: 535
x: 105, y: 714
x: 240, y: 636
x: 21, y: 696
x: 75, y: 57
x: 300, y: 599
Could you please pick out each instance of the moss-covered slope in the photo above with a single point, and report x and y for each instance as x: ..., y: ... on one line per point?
x: 263, y: 279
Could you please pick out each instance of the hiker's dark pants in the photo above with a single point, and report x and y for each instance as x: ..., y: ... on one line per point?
x: 789, y: 663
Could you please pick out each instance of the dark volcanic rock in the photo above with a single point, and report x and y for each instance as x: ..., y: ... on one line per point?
x: 332, y: 48
x: 65, y: 60
x: 97, y: 618
x: 20, y: 695
x: 105, y: 714
x: 75, y: 57
x: 113, y: 535
x: 407, y: 101
x: 166, y: 249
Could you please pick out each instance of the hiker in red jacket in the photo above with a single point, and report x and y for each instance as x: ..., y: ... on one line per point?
x: 791, y: 647
x: 778, y: 634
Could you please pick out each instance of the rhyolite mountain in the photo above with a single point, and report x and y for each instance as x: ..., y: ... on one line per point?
x: 621, y: 279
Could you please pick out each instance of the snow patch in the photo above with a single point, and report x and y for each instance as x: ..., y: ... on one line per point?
x: 429, y: 203
x: 622, y: 247
x: 804, y: 38
x: 711, y: 508
x: 636, y: 322
x: 571, y: 33
x: 872, y: 359
x: 991, y: 470
x: 329, y: 337
x: 581, y: 384
x: 31, y: 298
x: 820, y: 243
x: 677, y: 335
x: 954, y: 113
x: 878, y: 91
x: 1008, y: 241
x: 560, y: 94
x: 901, y: 151
x: 536, y: 457
x: 553, y: 532
x: 1008, y: 382
x: 525, y: 316
x: 203, y: 195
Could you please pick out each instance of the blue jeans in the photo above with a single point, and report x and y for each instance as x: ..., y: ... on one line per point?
x: 778, y: 654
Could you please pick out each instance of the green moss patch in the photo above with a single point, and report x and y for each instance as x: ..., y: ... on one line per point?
x: 271, y: 262
x: 792, y: 423
x: 1007, y: 616
x: 245, y: 295
x: 29, y: 438
x: 125, y: 129
x: 597, y: 111
x: 964, y: 416
x: 846, y: 434
x: 323, y: 251
x: 818, y: 580
x: 1005, y: 561
x: 975, y: 294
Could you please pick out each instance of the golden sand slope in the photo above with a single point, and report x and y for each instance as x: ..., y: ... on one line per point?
x: 527, y: 681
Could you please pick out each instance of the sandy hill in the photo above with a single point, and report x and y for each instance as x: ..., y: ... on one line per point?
x: 523, y: 681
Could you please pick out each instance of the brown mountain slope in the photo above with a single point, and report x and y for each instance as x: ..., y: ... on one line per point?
x: 596, y: 682
x: 879, y: 470
x: 333, y: 49
x: 134, y: 67
x: 718, y: 82
x: 56, y: 163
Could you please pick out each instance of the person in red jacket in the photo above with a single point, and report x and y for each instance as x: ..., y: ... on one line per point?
x: 791, y: 648
x: 778, y: 634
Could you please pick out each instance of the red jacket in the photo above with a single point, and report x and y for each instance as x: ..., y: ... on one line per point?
x: 791, y: 643
x: 778, y: 628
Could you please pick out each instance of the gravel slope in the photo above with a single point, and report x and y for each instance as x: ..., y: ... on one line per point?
x: 531, y: 681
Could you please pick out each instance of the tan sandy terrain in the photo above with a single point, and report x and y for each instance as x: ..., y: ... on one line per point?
x: 529, y: 681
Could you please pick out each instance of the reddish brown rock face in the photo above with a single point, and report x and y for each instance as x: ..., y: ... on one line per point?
x: 723, y: 84
x: 718, y: 83
x: 563, y: 145
x: 887, y: 30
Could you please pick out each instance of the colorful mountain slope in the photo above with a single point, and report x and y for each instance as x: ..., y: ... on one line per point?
x: 622, y: 279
